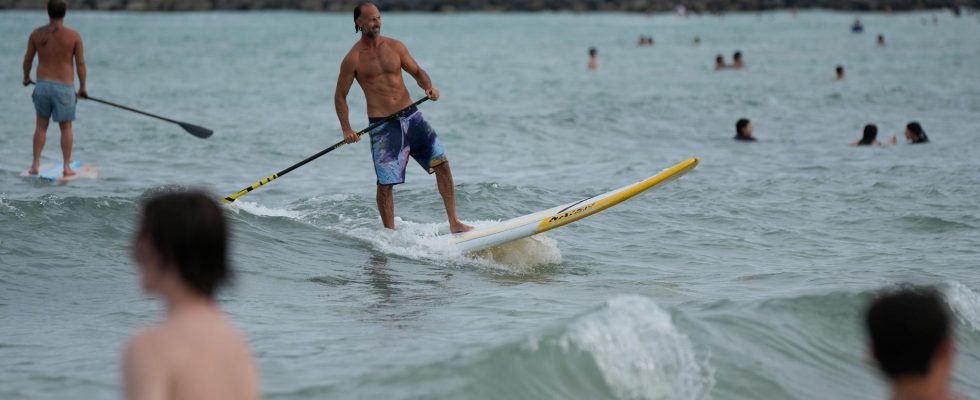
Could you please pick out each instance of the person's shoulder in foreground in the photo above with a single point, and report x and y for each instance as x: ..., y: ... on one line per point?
x: 181, y: 248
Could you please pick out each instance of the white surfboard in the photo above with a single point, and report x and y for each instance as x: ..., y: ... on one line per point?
x: 53, y: 172
x: 542, y: 221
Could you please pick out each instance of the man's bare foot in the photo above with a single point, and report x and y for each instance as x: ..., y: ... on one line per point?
x: 33, y: 170
x: 68, y: 172
x: 459, y: 227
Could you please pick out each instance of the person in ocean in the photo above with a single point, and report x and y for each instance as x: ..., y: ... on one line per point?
x: 376, y: 62
x: 840, y: 73
x: 181, y: 248
x: 720, y: 62
x: 914, y: 133
x: 737, y: 62
x: 60, y: 53
x: 743, y: 130
x: 881, y: 41
x: 593, y: 58
x: 856, y: 27
x: 910, y: 336
x: 870, y: 137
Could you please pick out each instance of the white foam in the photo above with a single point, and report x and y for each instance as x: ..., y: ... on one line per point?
x: 965, y: 304
x: 260, y: 210
x: 640, y: 352
x: 421, y: 241
x: 4, y: 204
x: 522, y: 255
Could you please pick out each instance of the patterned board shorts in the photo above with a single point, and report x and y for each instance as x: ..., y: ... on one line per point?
x: 393, y: 142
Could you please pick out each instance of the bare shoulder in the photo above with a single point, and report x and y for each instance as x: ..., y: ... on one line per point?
x: 353, y: 52
x: 37, y: 31
x: 147, y: 342
x: 396, y: 44
x: 73, y: 33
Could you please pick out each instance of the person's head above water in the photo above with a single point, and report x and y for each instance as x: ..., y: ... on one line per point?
x: 737, y: 56
x: 840, y: 72
x: 719, y: 61
x: 870, y: 135
x: 367, y: 20
x: 911, y: 338
x: 593, y: 52
x: 57, y: 9
x: 743, y: 130
x: 915, y: 134
x: 182, y: 244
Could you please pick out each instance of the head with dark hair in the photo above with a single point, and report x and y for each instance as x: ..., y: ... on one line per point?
x: 839, y: 70
x: 909, y: 328
x: 57, y: 9
x: 870, y: 135
x: 183, y: 235
x: 915, y: 134
x: 593, y: 52
x: 719, y: 60
x: 370, y: 25
x: 743, y: 129
x: 737, y: 56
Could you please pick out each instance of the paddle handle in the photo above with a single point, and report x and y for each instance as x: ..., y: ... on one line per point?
x: 270, y: 178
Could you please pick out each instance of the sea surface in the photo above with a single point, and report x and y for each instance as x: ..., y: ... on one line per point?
x: 745, y: 279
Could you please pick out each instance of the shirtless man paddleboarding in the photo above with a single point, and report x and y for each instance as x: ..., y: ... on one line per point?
x: 376, y: 62
x: 59, y: 51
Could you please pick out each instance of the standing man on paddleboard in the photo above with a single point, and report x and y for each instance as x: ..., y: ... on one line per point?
x: 376, y: 62
x: 59, y: 51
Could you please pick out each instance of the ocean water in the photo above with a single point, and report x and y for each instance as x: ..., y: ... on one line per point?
x: 745, y: 279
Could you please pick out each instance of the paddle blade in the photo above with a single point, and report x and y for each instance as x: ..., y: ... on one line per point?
x: 198, y: 131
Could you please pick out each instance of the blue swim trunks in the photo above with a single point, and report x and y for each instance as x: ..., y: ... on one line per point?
x: 394, y: 141
x: 54, y: 100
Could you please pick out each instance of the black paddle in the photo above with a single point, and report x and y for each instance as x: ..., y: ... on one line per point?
x: 256, y: 185
x: 195, y: 130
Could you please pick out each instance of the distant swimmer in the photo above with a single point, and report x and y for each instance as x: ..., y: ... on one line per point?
x: 181, y: 248
x: 881, y: 41
x: 376, y: 62
x: 743, y: 130
x: 914, y: 133
x: 645, y: 41
x: 697, y: 40
x: 840, y: 72
x: 911, y: 339
x: 593, y: 58
x: 857, y: 27
x: 59, y: 51
x: 737, y: 62
x: 720, y: 62
x: 870, y: 137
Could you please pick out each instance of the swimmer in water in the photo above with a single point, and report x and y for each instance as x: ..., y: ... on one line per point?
x: 737, y: 60
x: 593, y: 58
x: 914, y: 133
x: 856, y: 27
x: 840, y: 73
x: 720, y: 62
x: 881, y: 41
x: 743, y: 130
x: 870, y: 137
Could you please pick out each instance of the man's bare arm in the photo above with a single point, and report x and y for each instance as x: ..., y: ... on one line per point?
x: 344, y: 81
x: 80, y: 67
x: 29, y: 59
x: 413, y: 68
